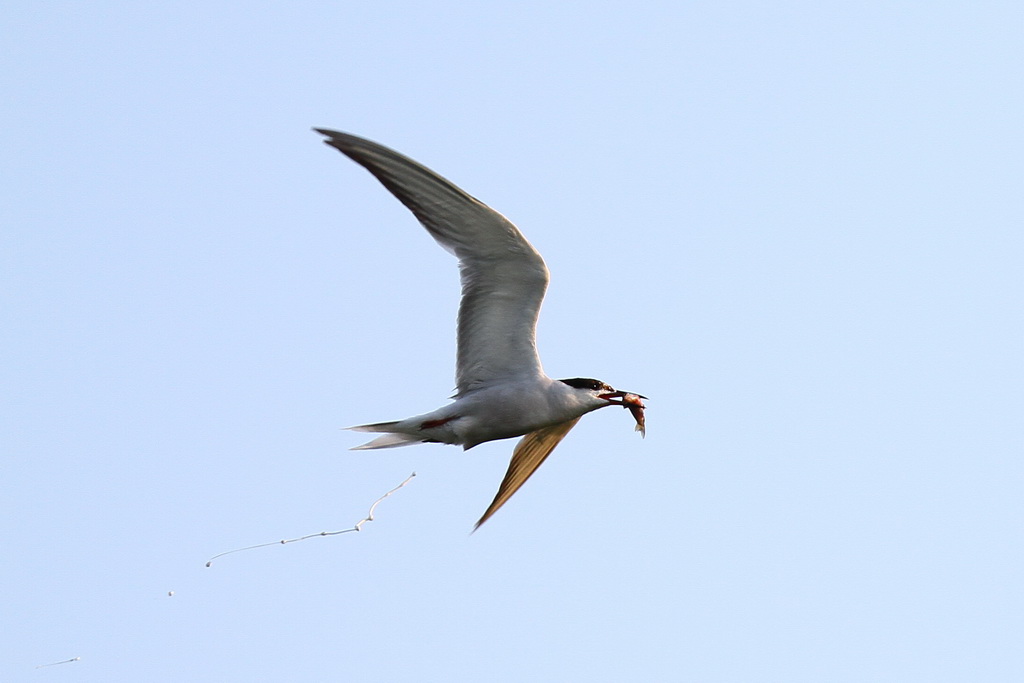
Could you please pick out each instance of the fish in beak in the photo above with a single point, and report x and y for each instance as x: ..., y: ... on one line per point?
x: 635, y: 404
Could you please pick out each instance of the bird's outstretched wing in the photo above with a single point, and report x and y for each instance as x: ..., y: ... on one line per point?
x: 530, y: 452
x: 503, y: 276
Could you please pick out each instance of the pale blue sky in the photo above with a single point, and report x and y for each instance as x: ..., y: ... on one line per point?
x: 796, y: 226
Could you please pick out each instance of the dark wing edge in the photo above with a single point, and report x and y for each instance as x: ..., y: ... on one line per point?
x: 496, y: 333
x: 437, y: 203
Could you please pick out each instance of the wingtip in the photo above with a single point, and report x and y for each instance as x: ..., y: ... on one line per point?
x: 331, y: 137
x: 337, y: 139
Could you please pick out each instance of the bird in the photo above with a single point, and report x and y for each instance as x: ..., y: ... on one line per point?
x: 501, y: 389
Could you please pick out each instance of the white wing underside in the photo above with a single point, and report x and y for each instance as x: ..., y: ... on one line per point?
x: 503, y: 276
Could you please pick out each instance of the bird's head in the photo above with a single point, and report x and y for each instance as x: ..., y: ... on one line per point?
x: 599, y: 394
x: 595, y: 394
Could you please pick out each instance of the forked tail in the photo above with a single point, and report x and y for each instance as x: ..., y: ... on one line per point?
x: 390, y: 439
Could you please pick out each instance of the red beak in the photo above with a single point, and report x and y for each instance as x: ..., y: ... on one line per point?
x: 610, y: 396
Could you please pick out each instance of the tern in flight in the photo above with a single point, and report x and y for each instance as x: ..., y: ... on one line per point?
x: 501, y: 389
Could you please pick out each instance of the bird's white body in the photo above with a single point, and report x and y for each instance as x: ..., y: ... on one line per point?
x: 495, y: 412
x: 501, y: 388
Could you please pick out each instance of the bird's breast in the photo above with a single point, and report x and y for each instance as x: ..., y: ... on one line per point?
x: 511, y: 410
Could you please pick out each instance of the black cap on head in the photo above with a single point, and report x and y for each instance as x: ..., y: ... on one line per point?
x: 584, y: 383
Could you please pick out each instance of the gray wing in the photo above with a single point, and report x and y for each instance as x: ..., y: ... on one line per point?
x: 503, y: 276
x: 530, y: 452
